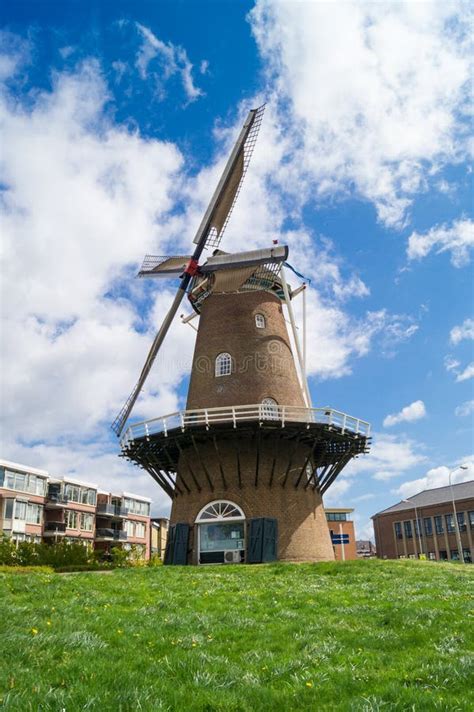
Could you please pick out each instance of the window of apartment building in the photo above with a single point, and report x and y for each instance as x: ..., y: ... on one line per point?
x: 24, y: 482
x: 17, y: 537
x: 336, y: 516
x: 467, y: 556
x: 449, y: 523
x: 8, y: 509
x: 398, y: 530
x: 34, y: 513
x: 259, y: 321
x: 23, y: 511
x: 19, y: 511
x: 428, y: 526
x: 454, y: 555
x: 129, y: 527
x: 87, y: 522
x: 471, y: 519
x: 418, y: 529
x: 461, y: 521
x: 83, y: 495
x: 432, y: 556
x: 140, y: 530
x: 71, y: 519
x: 408, y: 530
x: 443, y: 555
x: 136, y: 507
x: 438, y: 525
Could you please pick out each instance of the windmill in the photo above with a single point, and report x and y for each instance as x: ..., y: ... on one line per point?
x: 248, y: 460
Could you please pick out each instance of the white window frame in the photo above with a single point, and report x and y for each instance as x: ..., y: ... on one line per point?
x: 129, y: 527
x: 71, y: 513
x: 86, y: 517
x: 223, y: 365
x: 140, y: 530
x: 269, y: 409
x: 222, y: 509
x: 260, y: 321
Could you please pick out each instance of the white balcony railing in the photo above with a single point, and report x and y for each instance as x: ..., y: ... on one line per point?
x: 281, y: 414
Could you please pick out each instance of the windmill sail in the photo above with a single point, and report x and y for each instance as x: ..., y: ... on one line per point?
x: 154, y: 266
x: 220, y: 208
x: 210, y: 232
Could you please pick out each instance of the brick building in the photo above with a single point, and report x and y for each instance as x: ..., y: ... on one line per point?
x: 37, y: 507
x: 428, y: 525
x: 159, y: 527
x: 365, y: 549
x: 341, y: 530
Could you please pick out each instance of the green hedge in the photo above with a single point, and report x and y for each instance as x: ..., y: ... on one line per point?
x: 63, y: 555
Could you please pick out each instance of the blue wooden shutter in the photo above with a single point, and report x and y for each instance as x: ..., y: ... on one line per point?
x: 270, y: 540
x: 255, y: 541
x: 169, y: 551
x: 180, y: 554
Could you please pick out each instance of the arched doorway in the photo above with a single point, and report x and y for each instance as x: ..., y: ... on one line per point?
x: 221, y: 533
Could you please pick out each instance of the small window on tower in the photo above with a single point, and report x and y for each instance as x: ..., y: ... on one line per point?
x: 223, y: 365
x: 260, y: 321
x: 269, y: 409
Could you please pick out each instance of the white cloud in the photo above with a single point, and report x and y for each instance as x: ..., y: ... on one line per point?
x: 15, y: 53
x: 464, y: 409
x: 451, y: 364
x: 437, y: 477
x: 409, y: 413
x: 334, y: 495
x: 84, y: 200
x: 389, y: 457
x: 466, y: 374
x: 463, y: 331
x: 457, y: 238
x: 374, y: 95
x: 171, y: 59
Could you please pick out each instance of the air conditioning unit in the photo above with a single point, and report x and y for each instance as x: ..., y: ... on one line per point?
x: 232, y: 557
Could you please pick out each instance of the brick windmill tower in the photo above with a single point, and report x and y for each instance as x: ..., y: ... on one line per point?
x: 247, y: 462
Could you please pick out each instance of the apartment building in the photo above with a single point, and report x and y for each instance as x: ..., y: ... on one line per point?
x: 37, y: 507
x: 70, y: 510
x: 159, y: 535
x: 22, y: 501
x: 436, y: 524
x: 341, y: 529
x: 123, y: 519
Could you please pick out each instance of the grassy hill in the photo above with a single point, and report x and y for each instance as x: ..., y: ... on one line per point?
x: 362, y: 635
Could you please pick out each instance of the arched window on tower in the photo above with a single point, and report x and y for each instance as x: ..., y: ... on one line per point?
x: 260, y: 321
x: 223, y: 365
x: 269, y: 409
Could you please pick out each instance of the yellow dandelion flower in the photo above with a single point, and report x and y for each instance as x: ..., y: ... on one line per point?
x: 34, y: 631
x: 119, y: 631
x: 48, y: 622
x: 309, y: 684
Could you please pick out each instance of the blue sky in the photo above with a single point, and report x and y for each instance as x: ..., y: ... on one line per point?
x: 117, y: 119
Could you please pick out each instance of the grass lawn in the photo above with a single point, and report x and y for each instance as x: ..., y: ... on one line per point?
x: 361, y: 635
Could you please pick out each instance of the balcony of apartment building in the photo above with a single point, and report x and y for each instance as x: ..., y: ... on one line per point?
x: 110, y: 534
x: 54, y: 529
x: 55, y: 496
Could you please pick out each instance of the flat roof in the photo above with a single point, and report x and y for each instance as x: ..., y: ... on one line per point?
x: 339, y: 509
x: 136, y: 496
x: 24, y: 468
x: 439, y: 495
